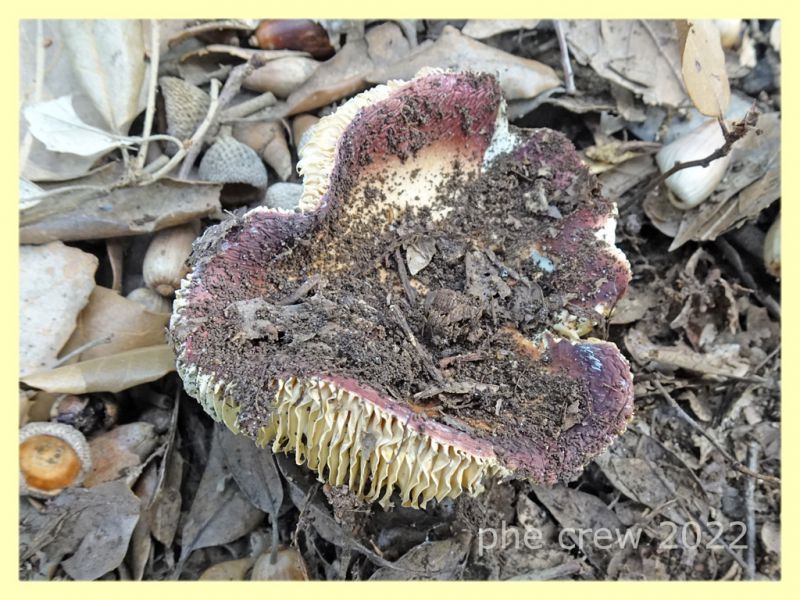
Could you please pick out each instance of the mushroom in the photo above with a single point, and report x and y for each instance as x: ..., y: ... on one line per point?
x: 305, y: 330
x: 52, y: 457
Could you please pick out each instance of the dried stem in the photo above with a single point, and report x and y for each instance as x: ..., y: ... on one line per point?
x: 195, y: 140
x: 232, y: 86
x: 151, y: 94
x: 566, y: 65
x: 737, y: 466
x: 731, y: 136
x: 735, y: 260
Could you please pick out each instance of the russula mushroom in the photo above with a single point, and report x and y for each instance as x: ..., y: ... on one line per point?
x: 52, y: 457
x: 306, y: 331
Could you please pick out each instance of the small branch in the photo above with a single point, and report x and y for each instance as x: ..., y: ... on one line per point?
x: 425, y: 357
x: 749, y: 500
x: 566, y: 65
x: 232, y: 86
x: 305, y: 287
x: 735, y: 260
x: 737, y: 466
x: 151, y: 94
x: 195, y: 140
x: 248, y: 107
x: 740, y: 128
x: 411, y: 293
x: 80, y: 350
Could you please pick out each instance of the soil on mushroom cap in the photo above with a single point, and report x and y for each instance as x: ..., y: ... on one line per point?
x: 464, y: 369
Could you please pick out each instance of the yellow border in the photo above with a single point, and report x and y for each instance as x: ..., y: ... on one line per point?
x: 405, y: 9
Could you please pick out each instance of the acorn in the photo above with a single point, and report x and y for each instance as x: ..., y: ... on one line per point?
x: 695, y: 184
x: 268, y: 140
x: 289, y: 566
x: 230, y: 161
x: 165, y: 260
x: 281, y: 76
x: 150, y: 300
x: 772, y: 249
x: 284, y: 195
x: 185, y: 105
x: 52, y: 457
x: 300, y: 125
x: 730, y: 32
x: 293, y: 34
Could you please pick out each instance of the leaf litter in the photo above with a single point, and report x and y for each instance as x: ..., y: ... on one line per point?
x: 171, y: 496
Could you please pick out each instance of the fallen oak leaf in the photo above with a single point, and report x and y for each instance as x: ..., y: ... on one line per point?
x: 107, y: 374
x: 703, y: 66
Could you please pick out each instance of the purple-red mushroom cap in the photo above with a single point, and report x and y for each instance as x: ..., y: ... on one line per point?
x: 416, y: 326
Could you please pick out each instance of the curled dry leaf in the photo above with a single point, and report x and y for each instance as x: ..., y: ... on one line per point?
x: 436, y: 560
x: 110, y: 211
x: 703, y: 66
x: 107, y: 374
x: 519, y: 77
x: 723, y: 361
x: 640, y: 55
x: 118, y: 453
x: 486, y: 28
x: 126, y: 322
x: 55, y: 284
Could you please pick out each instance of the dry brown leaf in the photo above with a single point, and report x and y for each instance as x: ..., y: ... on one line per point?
x: 108, y: 374
x: 703, y: 66
x: 86, y: 214
x: 94, y: 526
x: 229, y: 570
x: 723, y: 361
x: 118, y: 452
x: 518, y: 77
x: 485, y: 28
x: 127, y: 323
x: 55, y: 284
x: 640, y: 55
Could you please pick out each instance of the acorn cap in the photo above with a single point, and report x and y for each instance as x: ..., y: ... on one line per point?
x: 290, y: 328
x: 185, y: 105
x: 52, y: 457
x: 230, y: 161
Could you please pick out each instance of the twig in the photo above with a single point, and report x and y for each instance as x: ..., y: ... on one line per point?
x: 305, y: 287
x: 151, y: 94
x: 427, y: 359
x: 411, y: 293
x: 81, y: 349
x: 248, y: 107
x: 750, y: 525
x: 195, y: 140
x: 733, y: 257
x: 566, y: 65
x: 232, y: 86
x: 737, y: 132
x: 737, y: 466
x: 27, y: 143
